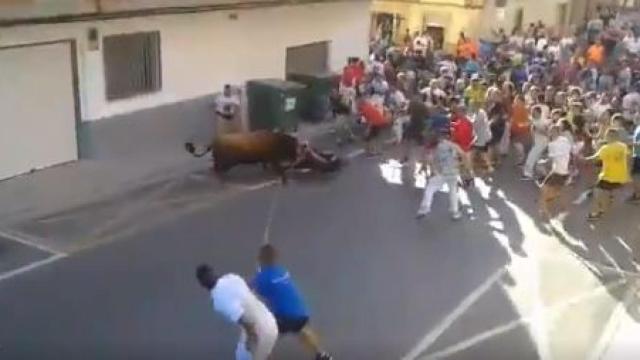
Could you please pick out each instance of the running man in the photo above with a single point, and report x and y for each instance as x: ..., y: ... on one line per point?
x: 462, y: 134
x: 614, y: 174
x: 560, y: 155
x: 274, y: 284
x: 539, y: 125
x: 444, y: 161
x: 233, y: 299
x: 482, y: 133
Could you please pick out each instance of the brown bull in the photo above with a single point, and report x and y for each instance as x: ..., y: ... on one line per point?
x: 257, y: 147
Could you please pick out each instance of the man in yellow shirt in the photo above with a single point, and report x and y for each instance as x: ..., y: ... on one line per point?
x: 614, y: 174
x: 474, y: 94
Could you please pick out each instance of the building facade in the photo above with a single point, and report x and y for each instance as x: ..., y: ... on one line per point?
x: 558, y: 14
x: 444, y: 19
x: 69, y: 68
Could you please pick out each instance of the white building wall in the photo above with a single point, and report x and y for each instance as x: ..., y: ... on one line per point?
x: 203, y: 51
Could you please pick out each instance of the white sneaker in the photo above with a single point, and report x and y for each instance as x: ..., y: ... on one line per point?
x: 421, y: 215
x: 456, y: 215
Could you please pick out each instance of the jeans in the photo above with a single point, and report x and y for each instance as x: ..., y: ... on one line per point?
x: 434, y: 184
x: 534, y: 156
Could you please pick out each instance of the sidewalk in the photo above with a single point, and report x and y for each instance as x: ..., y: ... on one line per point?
x: 88, y: 181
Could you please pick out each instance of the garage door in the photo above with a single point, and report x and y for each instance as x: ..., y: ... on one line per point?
x: 37, y: 108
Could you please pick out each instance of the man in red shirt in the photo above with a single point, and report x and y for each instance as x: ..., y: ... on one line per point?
x: 352, y: 76
x: 462, y: 134
x: 352, y: 73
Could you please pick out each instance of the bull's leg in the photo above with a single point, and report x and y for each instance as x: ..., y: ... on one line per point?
x: 280, y: 170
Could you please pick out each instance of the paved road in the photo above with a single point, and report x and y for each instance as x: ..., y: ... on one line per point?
x: 381, y: 285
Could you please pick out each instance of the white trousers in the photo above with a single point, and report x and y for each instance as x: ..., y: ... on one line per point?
x: 266, y: 341
x: 434, y: 184
x: 534, y: 156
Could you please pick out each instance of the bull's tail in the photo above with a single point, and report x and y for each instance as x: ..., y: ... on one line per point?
x: 192, y: 150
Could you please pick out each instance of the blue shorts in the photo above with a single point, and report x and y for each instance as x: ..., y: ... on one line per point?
x: 291, y: 325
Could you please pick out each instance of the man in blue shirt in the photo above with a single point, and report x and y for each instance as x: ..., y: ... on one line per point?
x: 274, y: 284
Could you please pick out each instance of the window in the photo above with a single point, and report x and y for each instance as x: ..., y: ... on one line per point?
x: 517, y: 23
x: 501, y: 3
x: 562, y: 14
x: 132, y: 64
x: 307, y: 59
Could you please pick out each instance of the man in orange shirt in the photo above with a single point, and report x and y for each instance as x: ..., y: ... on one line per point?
x: 520, y: 127
x: 376, y: 119
x: 595, y: 54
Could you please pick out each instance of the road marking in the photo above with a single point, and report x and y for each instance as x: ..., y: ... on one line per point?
x: 270, y: 216
x: 613, y: 325
x: 354, y: 154
x: 30, y: 267
x: 21, y: 238
x: 466, y: 303
x: 463, y: 345
x: 478, y: 338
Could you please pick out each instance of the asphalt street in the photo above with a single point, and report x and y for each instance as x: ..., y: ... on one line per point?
x: 381, y: 285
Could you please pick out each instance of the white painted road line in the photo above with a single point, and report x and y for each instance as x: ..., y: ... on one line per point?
x: 32, y: 266
x: 270, y: 216
x: 11, y: 235
x: 434, y: 334
x: 481, y: 337
x: 613, y: 325
x: 354, y: 154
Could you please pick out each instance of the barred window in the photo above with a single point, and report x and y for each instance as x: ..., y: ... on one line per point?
x: 132, y: 64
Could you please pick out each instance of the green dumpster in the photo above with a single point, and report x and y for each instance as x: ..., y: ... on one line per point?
x: 273, y: 104
x: 314, y: 100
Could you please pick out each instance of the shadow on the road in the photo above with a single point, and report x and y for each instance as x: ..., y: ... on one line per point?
x: 608, y: 248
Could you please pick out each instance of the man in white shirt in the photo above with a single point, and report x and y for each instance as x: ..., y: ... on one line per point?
x: 539, y: 124
x: 601, y: 106
x: 560, y: 155
x: 233, y: 299
x: 632, y: 43
x: 482, y: 133
x: 227, y: 106
x: 631, y: 105
x: 422, y: 43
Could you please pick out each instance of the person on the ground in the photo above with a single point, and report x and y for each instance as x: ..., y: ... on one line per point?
x: 274, y: 284
x: 444, y: 163
x: 235, y: 301
x: 539, y: 128
x: 614, y: 174
x: 552, y: 188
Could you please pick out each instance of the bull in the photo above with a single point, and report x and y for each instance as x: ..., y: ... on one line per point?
x: 278, y: 150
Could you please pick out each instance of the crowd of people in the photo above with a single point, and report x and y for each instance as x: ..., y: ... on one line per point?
x: 565, y: 105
